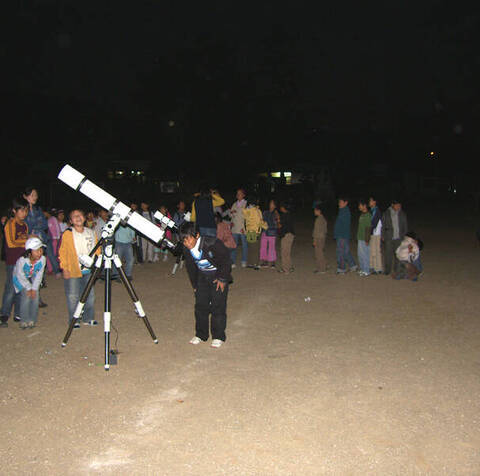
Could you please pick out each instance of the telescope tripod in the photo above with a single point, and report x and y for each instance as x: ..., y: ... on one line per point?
x: 104, y: 261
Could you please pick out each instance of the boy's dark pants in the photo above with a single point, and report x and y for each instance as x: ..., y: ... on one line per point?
x: 210, y: 301
x: 390, y: 258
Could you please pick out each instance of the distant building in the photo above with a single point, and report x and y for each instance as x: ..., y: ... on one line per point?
x: 129, y: 169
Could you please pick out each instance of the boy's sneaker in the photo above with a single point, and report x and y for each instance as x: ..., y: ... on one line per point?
x: 354, y: 268
x: 76, y: 325
x: 31, y: 324
x: 90, y: 323
x: 195, y: 340
x: 216, y: 343
x: 244, y: 264
x: 23, y: 325
x: 234, y: 266
x: 340, y: 271
x: 17, y: 318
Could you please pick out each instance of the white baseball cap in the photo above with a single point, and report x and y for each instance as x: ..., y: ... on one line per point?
x: 34, y: 243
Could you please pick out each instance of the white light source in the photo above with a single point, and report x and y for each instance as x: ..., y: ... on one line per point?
x: 78, y: 181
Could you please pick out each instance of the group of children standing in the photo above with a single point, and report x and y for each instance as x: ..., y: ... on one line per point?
x: 213, y: 233
x: 377, y: 232
x: 256, y: 231
x: 26, y: 245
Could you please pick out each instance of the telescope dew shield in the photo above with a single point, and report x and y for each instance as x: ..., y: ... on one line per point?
x: 73, y: 178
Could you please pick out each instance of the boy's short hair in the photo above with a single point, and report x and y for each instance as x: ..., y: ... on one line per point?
x: 187, y: 229
x: 343, y: 198
x: 395, y: 201
x: 318, y: 207
x: 18, y: 203
x: 362, y: 201
x: 77, y: 210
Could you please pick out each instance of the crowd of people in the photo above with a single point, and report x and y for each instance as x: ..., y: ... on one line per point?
x: 38, y: 242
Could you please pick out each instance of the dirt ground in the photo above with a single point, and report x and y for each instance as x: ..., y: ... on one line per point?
x: 371, y: 376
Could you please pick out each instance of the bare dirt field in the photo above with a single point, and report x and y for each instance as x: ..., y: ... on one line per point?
x: 371, y: 376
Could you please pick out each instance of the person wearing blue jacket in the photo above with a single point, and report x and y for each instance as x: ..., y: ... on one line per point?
x: 38, y: 226
x: 341, y: 233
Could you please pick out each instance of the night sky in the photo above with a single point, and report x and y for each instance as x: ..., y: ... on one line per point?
x: 240, y: 85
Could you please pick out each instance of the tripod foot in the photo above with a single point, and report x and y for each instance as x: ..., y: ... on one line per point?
x: 64, y: 344
x: 155, y: 341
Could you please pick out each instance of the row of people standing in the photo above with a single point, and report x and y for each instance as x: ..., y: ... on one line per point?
x: 376, y: 231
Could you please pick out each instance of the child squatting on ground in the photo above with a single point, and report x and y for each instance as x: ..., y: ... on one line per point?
x: 27, y: 278
x: 408, y: 255
x: 209, y: 267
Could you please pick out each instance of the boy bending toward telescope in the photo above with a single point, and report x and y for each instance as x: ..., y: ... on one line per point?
x: 209, y: 267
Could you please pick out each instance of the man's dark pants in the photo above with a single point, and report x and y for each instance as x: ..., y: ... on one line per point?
x: 391, y: 261
x: 210, y: 301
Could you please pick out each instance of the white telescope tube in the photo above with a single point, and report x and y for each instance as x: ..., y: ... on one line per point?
x: 78, y: 181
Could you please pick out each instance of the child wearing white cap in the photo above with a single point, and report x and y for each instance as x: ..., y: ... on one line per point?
x: 27, y: 277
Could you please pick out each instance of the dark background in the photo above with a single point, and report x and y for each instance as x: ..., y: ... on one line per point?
x: 221, y: 91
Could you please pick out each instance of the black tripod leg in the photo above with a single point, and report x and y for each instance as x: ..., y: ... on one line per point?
x: 136, y: 301
x: 81, y: 303
x: 107, y: 316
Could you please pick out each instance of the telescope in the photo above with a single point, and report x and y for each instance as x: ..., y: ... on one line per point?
x: 107, y: 259
x: 79, y: 182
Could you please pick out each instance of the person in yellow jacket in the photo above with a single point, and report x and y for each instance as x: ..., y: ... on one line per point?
x: 254, y: 224
x: 76, y: 241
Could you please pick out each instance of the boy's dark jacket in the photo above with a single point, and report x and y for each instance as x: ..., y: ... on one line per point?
x: 286, y: 222
x: 342, y: 224
x: 387, y: 227
x: 217, y: 253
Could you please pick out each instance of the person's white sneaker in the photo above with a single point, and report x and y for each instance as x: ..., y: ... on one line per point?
x: 234, y: 266
x: 216, y: 343
x: 244, y: 264
x: 195, y: 340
